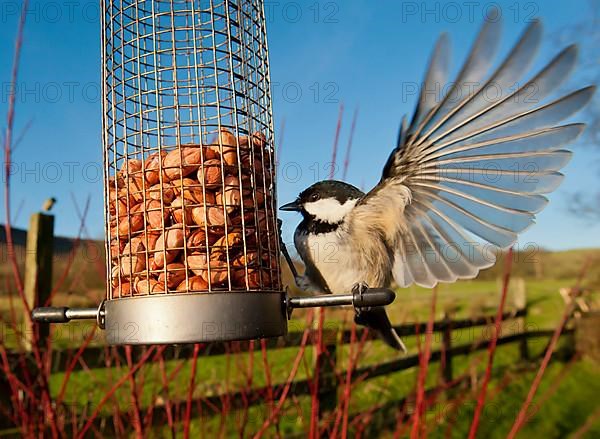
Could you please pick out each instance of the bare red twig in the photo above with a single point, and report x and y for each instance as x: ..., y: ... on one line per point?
x: 10, y: 122
x: 165, y: 389
x: 423, y: 366
x: 587, y: 425
x: 342, y: 416
x: 267, y: 370
x: 280, y: 140
x: 320, y: 353
x: 553, y: 388
x: 336, y: 141
x: 349, y: 147
x: 188, y: 406
x: 492, y: 346
x: 135, y: 403
x: 547, y: 356
x: 359, y: 352
x: 296, y: 364
x: 401, y: 426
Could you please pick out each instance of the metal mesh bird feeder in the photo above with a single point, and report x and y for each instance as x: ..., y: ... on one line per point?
x: 188, y: 150
x: 192, y: 240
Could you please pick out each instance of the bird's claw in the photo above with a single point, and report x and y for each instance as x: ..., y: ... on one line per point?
x: 359, y: 288
x: 302, y: 283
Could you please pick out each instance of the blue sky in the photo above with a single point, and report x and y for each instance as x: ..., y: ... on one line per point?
x: 359, y: 52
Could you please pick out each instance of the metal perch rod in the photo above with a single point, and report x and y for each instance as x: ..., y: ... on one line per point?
x: 63, y: 314
x: 369, y: 297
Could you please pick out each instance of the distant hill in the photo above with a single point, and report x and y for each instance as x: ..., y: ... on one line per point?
x: 86, y: 272
x: 62, y: 244
x: 19, y: 236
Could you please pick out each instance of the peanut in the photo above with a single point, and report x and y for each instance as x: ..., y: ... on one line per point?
x: 131, y: 166
x: 167, y: 247
x: 182, y: 162
x: 197, y: 263
x: 167, y: 194
x: 249, y: 260
x: 218, y: 272
x: 198, y: 239
x: 155, y: 214
x: 114, y: 275
x: 226, y: 147
x: 229, y: 147
x: 210, y: 173
x: 132, y: 223
x: 116, y: 181
x: 149, y: 239
x: 199, y: 266
x: 259, y: 279
x: 230, y: 197
x: 201, y: 184
x: 259, y: 139
x: 148, y: 286
x: 133, y: 259
x: 211, y: 216
x: 177, y: 211
x: 225, y: 243
x: 249, y: 199
x: 116, y: 247
x: 192, y: 191
x: 254, y: 278
x: 195, y: 283
x: 176, y: 272
x: 152, y: 167
x: 122, y: 290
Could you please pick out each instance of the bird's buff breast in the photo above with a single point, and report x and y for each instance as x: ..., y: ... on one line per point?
x: 338, y: 261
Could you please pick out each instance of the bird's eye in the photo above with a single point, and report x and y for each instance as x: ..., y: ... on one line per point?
x: 314, y: 197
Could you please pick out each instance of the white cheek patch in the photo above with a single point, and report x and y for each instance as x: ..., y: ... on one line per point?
x: 329, y: 210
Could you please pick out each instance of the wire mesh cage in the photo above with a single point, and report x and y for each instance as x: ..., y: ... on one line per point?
x: 188, y: 149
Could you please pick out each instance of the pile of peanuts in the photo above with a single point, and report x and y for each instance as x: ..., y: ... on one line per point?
x: 205, y: 224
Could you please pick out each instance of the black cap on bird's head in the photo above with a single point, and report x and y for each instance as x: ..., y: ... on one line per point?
x: 327, y: 201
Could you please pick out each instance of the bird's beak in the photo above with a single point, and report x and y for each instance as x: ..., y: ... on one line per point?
x: 294, y: 206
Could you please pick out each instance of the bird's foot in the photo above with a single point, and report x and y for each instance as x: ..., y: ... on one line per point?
x: 303, y: 283
x: 359, y: 288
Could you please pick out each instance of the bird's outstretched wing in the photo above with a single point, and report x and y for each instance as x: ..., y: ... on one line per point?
x: 470, y: 169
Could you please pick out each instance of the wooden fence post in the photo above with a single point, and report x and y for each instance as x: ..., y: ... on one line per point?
x: 520, y: 303
x: 586, y: 343
x: 447, y: 349
x: 38, y: 274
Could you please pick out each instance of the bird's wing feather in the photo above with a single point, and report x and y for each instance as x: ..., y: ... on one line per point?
x: 469, y: 172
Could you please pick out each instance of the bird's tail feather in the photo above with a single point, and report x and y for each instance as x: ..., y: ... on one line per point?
x: 392, y: 338
x: 377, y: 319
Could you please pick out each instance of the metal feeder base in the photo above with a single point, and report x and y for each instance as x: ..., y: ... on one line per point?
x: 195, y: 318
